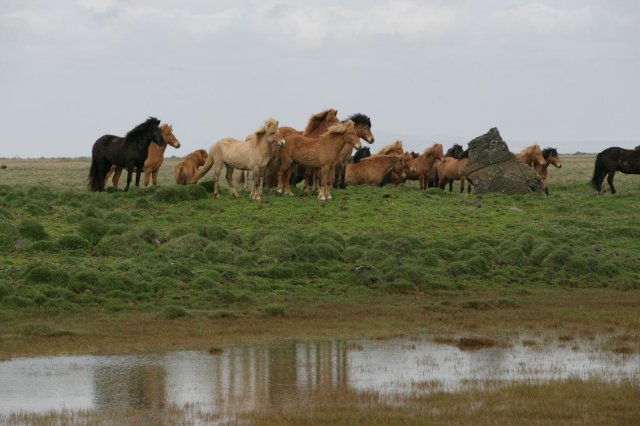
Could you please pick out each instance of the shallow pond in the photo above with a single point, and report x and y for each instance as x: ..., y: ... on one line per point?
x: 246, y: 378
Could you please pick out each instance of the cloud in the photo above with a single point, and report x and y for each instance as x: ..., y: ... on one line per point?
x: 544, y: 18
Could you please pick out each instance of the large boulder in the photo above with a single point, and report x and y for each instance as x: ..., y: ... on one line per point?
x: 493, y: 168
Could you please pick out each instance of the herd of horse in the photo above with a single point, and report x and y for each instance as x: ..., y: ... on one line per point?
x: 321, y: 155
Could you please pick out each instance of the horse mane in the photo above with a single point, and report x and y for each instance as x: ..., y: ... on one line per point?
x: 329, y: 115
x: 455, y: 151
x: 142, y: 129
x: 390, y: 148
x: 359, y: 118
x: 549, y: 151
x: 430, y: 150
x: 465, y: 154
x: 340, y: 127
x: 414, y: 154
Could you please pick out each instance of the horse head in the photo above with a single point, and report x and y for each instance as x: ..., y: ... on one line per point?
x: 407, y: 164
x: 168, y: 136
x: 271, y: 132
x: 202, y: 156
x: 438, y: 152
x: 455, y: 151
x: 363, y: 126
x: 551, y: 156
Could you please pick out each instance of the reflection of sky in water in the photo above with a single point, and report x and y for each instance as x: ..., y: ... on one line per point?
x: 245, y: 378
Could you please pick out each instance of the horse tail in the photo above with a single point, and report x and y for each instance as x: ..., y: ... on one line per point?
x: 182, y: 176
x: 94, y: 176
x: 205, y: 168
x: 598, y: 175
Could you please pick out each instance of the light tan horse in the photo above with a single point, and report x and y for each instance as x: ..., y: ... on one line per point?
x: 394, y: 148
x: 451, y: 170
x: 372, y: 170
x: 186, y: 169
x: 551, y: 157
x: 154, y: 160
x: 318, y: 153
x: 424, y: 163
x: 253, y: 154
x: 531, y: 156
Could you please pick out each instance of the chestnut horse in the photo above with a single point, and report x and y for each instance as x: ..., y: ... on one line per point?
x: 531, y: 156
x: 154, y: 159
x: 372, y: 170
x: 318, y: 153
x: 451, y: 170
x: 186, y: 169
x: 424, y: 163
x: 551, y: 157
x: 253, y: 154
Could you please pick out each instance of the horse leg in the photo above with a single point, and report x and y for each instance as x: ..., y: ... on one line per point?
x: 154, y: 177
x: 229, y: 176
x: 145, y: 181
x: 255, y: 192
x: 116, y: 177
x: 129, y: 176
x: 287, y: 180
x: 217, y: 169
x: 462, y: 184
x: 138, y: 172
x: 610, y: 181
x: 450, y: 185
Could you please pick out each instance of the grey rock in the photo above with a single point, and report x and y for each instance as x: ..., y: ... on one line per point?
x: 493, y: 168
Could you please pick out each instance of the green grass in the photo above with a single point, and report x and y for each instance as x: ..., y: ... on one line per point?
x: 67, y: 251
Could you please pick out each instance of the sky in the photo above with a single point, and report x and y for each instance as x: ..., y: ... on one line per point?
x: 563, y: 73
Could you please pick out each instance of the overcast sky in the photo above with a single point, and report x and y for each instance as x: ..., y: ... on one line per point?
x: 564, y: 73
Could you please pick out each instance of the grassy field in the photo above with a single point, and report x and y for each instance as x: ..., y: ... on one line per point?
x: 173, y: 268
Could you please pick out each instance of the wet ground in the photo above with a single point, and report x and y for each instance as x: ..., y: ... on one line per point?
x: 247, y: 378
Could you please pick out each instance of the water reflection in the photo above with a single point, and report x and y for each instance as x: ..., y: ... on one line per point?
x: 247, y: 378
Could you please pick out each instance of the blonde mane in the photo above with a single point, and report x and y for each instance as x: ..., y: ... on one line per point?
x: 391, y: 148
x: 340, y: 127
x: 322, y: 119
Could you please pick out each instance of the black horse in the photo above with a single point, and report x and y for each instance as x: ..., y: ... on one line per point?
x: 613, y: 160
x: 363, y: 152
x: 128, y: 152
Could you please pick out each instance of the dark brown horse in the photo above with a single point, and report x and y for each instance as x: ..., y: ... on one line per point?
x: 613, y: 160
x: 129, y: 152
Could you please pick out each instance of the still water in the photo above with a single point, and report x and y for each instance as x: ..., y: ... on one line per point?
x: 247, y: 378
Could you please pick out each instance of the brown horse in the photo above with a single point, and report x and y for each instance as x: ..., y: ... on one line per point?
x: 318, y: 153
x: 424, y: 163
x: 154, y: 160
x: 372, y: 170
x: 551, y: 157
x: 253, y: 154
x: 187, y: 168
x: 451, y: 170
x: 531, y: 156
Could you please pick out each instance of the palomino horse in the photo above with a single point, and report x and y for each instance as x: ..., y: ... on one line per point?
x: 451, y: 170
x: 187, y: 168
x: 424, y: 163
x: 613, y: 160
x: 550, y: 157
x: 531, y: 155
x: 318, y: 153
x: 154, y: 159
x: 129, y: 152
x: 253, y: 154
x: 372, y: 170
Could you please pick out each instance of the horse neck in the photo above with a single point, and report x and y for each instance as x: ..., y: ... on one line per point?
x: 337, y: 140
